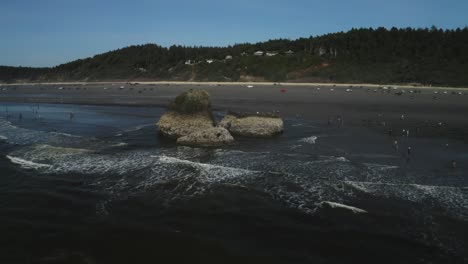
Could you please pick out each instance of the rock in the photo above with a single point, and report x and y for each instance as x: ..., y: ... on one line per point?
x: 191, y: 122
x: 175, y: 125
x: 193, y: 101
x: 215, y: 136
x: 253, y: 126
x: 226, y: 121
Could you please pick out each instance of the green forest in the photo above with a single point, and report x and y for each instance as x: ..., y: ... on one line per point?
x: 428, y: 56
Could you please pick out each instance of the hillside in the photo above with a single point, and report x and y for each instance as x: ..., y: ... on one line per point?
x: 424, y: 56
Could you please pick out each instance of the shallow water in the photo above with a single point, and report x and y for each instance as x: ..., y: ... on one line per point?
x: 104, y: 187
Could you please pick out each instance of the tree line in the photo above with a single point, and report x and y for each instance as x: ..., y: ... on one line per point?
x: 397, y: 55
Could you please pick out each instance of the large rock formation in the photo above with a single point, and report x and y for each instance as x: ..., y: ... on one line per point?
x: 253, y: 125
x: 216, y: 136
x: 189, y: 112
x: 190, y: 121
x: 193, y: 101
x: 175, y: 124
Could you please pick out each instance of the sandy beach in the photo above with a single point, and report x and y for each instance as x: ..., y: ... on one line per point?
x: 347, y: 85
x: 317, y: 102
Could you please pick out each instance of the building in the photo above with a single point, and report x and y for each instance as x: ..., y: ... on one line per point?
x: 228, y: 57
x: 258, y: 53
x: 271, y: 53
x: 209, y: 61
x: 289, y: 52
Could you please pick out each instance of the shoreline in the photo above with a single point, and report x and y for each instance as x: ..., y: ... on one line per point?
x: 335, y: 85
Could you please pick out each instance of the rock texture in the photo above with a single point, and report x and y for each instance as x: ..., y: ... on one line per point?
x: 191, y: 122
x: 253, y: 126
x: 189, y: 112
x: 193, y: 101
x: 175, y: 125
x: 216, y: 136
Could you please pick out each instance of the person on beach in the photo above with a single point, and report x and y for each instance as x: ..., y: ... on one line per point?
x: 407, y: 132
x: 453, y: 164
x: 402, y: 117
x: 390, y: 132
x: 20, y: 117
x: 395, y: 145
x: 340, y: 121
x: 409, y: 151
x: 71, y: 116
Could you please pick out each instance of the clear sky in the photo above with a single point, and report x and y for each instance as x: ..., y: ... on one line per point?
x: 51, y: 32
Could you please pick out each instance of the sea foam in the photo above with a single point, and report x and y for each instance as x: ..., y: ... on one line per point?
x: 26, y: 164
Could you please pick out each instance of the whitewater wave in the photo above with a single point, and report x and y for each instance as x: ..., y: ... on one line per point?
x: 298, y: 180
x: 133, y: 129
x: 65, y: 134
x: 333, y: 205
x: 121, y: 144
x: 309, y: 140
x: 23, y: 136
x: 212, y: 169
x: 453, y: 199
x: 381, y: 167
x: 26, y: 164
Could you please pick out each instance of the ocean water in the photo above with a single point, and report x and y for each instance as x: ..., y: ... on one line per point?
x: 104, y: 187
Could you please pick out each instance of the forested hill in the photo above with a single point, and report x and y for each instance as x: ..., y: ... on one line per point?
x: 424, y: 56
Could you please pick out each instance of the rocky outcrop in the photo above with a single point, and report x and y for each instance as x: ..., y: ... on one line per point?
x: 253, y: 126
x: 189, y: 112
x: 193, y: 101
x: 190, y: 121
x: 175, y: 125
x: 216, y: 136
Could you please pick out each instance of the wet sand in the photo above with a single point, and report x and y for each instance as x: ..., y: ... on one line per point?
x: 361, y: 107
x: 434, y: 116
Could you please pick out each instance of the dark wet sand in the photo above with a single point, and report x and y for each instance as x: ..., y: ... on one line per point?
x: 434, y: 120
x: 361, y: 107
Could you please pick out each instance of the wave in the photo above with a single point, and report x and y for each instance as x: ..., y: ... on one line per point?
x: 23, y: 136
x: 26, y: 164
x: 453, y: 199
x: 333, y: 205
x: 66, y: 134
x: 381, y: 166
x: 309, y: 140
x: 133, y: 129
x: 300, y: 181
x: 121, y: 144
x: 215, y: 172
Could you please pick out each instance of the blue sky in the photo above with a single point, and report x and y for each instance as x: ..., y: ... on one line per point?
x: 51, y: 32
